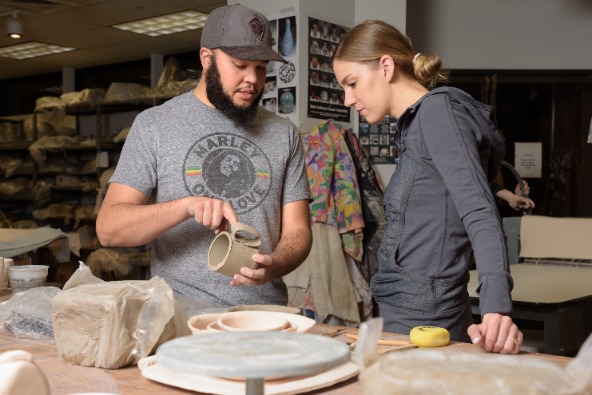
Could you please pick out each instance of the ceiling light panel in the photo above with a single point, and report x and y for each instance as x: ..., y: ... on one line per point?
x: 166, y: 24
x: 31, y: 49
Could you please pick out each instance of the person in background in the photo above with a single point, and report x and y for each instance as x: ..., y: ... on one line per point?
x: 441, y: 214
x: 517, y: 200
x: 209, y: 158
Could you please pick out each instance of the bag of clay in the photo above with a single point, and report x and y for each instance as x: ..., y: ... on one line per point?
x: 445, y: 371
x: 114, y: 324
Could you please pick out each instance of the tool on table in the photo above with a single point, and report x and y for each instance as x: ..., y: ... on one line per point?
x: 423, y: 336
x: 381, y: 342
x: 333, y: 332
x: 382, y: 351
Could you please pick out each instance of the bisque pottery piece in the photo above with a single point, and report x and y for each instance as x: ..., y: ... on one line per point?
x: 249, y: 321
x: 199, y: 323
x: 265, y: 307
x: 231, y: 251
x: 209, y: 322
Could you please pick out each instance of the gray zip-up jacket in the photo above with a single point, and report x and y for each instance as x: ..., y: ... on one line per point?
x: 442, y: 217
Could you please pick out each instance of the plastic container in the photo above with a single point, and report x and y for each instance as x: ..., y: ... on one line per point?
x: 26, y: 277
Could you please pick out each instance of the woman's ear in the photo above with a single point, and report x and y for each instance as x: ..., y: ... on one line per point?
x: 387, y: 66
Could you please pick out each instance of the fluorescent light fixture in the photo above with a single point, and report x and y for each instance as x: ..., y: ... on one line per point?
x: 166, y: 24
x: 31, y: 49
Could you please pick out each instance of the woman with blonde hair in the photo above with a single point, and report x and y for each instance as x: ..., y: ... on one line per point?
x: 441, y: 213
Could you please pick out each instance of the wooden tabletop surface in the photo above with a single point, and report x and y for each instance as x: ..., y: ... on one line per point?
x: 67, y: 379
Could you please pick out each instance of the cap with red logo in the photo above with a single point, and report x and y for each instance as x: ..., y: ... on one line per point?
x: 240, y: 32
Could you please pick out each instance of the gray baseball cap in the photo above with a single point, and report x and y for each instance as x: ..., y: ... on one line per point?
x: 239, y: 32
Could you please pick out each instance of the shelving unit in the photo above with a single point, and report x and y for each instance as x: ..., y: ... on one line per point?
x: 84, y: 156
x: 15, y: 191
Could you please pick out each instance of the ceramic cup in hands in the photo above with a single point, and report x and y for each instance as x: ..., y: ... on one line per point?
x: 231, y: 251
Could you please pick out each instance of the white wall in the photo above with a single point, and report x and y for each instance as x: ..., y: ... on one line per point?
x: 391, y: 11
x: 504, y: 34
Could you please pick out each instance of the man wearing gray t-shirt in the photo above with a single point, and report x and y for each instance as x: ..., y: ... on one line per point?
x: 210, y: 158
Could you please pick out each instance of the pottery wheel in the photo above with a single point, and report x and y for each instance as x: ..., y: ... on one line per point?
x: 254, y: 356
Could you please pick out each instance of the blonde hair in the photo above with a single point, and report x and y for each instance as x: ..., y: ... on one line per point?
x: 371, y: 39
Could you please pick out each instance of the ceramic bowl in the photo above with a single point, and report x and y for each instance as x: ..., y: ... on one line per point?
x: 251, y: 321
x: 199, y: 323
x: 265, y: 307
x: 214, y: 327
x: 208, y: 322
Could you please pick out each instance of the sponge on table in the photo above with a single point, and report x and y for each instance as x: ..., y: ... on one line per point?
x: 429, y: 336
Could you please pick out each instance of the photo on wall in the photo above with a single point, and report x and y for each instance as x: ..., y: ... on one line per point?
x: 325, y: 95
x: 380, y: 140
x: 279, y: 92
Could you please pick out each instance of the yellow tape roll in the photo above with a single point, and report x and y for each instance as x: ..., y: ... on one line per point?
x: 429, y: 336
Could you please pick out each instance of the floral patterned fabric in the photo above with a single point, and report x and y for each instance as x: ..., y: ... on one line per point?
x: 334, y: 185
x: 372, y: 204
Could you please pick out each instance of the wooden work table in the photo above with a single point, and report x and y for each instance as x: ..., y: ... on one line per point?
x: 66, y: 379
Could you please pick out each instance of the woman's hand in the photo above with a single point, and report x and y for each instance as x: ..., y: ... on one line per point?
x: 496, y: 333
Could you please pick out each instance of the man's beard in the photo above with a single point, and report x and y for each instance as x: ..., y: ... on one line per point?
x: 216, y: 95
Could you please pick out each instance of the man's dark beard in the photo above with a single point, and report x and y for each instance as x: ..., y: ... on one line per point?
x: 216, y: 95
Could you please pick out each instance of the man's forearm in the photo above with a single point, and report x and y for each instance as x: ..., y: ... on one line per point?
x: 291, y: 251
x: 131, y: 225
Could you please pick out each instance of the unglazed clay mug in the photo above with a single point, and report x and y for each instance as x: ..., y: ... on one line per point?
x: 231, y: 251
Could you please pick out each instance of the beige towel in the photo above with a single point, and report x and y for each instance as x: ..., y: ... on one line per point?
x: 326, y: 274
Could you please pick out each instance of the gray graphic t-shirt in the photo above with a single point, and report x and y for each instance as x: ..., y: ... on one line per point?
x: 184, y: 148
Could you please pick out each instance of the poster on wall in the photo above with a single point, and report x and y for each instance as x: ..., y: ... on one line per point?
x: 325, y: 95
x: 279, y: 92
x: 380, y: 140
x: 528, y: 159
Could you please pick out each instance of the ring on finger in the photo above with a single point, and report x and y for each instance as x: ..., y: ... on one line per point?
x: 513, y: 340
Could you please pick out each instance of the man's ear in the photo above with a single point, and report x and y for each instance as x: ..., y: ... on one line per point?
x: 205, y: 57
